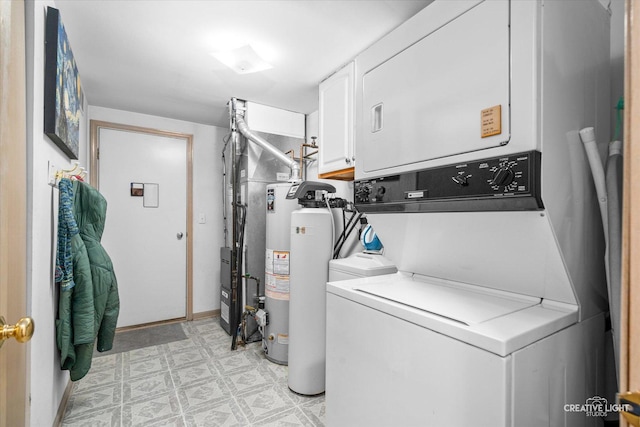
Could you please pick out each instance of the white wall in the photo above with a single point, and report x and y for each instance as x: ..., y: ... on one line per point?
x: 207, y: 186
x: 47, y: 381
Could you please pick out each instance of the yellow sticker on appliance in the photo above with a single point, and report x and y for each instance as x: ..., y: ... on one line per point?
x: 491, y: 121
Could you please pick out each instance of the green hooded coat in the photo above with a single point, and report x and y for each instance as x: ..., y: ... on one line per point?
x: 88, y: 310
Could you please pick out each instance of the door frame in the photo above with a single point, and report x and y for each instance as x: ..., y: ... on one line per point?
x: 630, y: 292
x: 14, y: 357
x: 94, y: 169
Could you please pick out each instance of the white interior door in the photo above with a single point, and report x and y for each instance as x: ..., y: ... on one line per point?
x: 146, y: 234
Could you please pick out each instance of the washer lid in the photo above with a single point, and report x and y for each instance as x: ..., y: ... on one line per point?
x: 469, y: 305
x: 495, y: 320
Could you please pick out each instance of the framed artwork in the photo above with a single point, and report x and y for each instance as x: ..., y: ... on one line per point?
x: 63, y: 97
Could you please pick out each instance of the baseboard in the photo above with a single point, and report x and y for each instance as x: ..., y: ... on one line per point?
x: 62, y: 408
x: 150, y: 324
x: 206, y: 314
x: 196, y: 316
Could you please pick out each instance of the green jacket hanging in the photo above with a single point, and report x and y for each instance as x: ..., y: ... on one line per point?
x: 87, y: 311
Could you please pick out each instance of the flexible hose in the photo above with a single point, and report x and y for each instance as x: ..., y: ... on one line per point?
x: 589, y: 140
x: 333, y: 226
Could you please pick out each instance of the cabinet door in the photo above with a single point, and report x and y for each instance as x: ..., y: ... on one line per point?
x: 336, y: 121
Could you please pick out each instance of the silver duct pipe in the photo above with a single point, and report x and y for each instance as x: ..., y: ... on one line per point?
x: 244, y: 130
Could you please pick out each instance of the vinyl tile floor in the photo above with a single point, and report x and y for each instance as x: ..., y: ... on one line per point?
x: 198, y: 381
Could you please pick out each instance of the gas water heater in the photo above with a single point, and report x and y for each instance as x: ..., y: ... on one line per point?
x: 283, y: 201
x: 275, y: 339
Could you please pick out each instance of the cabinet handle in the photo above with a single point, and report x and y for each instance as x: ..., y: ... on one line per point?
x: 347, y: 160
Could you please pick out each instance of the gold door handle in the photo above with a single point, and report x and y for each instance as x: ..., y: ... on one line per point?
x: 21, y: 331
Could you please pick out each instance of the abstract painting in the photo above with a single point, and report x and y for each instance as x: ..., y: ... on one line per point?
x: 63, y: 97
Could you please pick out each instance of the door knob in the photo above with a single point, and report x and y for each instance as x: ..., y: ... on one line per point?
x: 179, y: 235
x: 21, y: 331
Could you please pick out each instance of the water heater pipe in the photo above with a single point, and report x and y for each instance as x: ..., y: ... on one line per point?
x: 244, y: 130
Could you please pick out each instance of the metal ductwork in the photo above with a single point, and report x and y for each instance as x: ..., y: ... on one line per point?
x: 244, y: 130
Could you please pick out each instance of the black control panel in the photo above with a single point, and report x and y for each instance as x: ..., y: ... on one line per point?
x: 499, y: 183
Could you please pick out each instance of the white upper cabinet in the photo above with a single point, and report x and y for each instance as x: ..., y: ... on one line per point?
x: 336, y: 113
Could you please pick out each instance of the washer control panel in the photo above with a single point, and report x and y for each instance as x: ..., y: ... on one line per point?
x: 499, y: 183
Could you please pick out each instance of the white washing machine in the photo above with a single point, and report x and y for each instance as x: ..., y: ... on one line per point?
x: 471, y: 170
x: 409, y: 350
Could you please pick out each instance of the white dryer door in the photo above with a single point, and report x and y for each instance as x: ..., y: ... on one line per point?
x: 446, y: 94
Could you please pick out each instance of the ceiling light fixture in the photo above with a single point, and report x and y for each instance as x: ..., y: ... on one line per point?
x: 242, y: 60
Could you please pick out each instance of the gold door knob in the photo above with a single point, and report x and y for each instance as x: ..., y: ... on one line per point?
x: 21, y: 331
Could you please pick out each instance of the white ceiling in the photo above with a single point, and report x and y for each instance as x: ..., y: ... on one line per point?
x: 154, y: 57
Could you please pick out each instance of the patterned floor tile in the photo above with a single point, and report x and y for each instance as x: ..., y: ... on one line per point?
x: 109, y: 417
x: 216, y: 347
x: 143, y: 353
x: 199, y: 381
x: 290, y: 417
x: 223, y: 414
x: 206, y: 328
x: 144, y: 367
x: 182, y: 345
x: 315, y: 411
x: 250, y: 379
x: 97, y: 399
x: 240, y: 361
x: 110, y: 362
x: 205, y: 394
x: 279, y: 373
x: 100, y: 377
x: 193, y: 374
x: 169, y: 422
x: 187, y: 357
x: 151, y: 410
x: 258, y: 405
x: 146, y: 386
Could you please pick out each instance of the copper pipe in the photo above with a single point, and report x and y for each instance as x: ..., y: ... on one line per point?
x: 304, y: 155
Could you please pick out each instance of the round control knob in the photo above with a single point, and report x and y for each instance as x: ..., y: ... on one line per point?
x: 362, y: 195
x: 503, y: 176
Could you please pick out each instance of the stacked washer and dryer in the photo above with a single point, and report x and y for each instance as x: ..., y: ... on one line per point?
x: 470, y: 168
